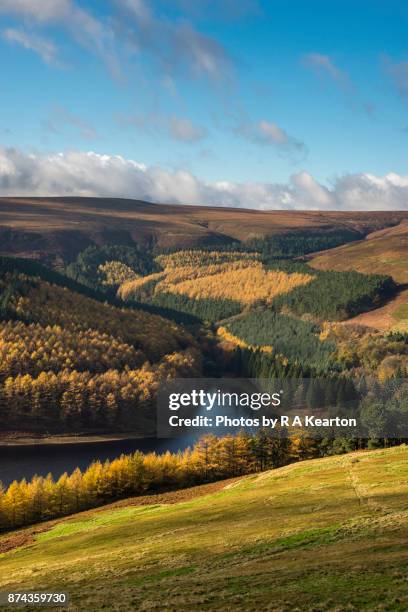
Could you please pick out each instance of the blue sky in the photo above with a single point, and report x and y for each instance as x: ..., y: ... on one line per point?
x: 302, y: 94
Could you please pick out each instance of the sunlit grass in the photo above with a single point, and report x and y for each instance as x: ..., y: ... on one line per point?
x: 319, y: 534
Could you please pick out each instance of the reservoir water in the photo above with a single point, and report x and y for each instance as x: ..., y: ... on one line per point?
x: 25, y: 461
x: 17, y: 462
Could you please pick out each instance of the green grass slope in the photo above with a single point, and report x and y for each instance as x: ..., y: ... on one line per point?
x: 324, y: 534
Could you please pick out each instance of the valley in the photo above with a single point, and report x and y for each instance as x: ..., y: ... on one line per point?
x: 103, y: 301
x: 85, y: 342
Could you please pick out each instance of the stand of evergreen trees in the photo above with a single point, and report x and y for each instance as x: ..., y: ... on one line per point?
x: 87, y: 268
x: 293, y: 338
x: 335, y: 296
x: 288, y: 245
x: 296, y: 244
x: 204, y: 309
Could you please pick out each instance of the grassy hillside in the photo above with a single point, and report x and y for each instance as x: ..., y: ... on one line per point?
x: 57, y: 229
x: 393, y: 316
x: 382, y: 252
x: 324, y: 534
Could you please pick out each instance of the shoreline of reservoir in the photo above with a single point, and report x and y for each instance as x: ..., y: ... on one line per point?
x: 26, y: 440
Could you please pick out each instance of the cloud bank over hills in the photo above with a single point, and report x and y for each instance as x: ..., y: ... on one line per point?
x: 76, y: 173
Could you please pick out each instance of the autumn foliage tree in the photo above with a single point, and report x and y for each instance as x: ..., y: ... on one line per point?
x: 72, y: 364
x: 211, y: 458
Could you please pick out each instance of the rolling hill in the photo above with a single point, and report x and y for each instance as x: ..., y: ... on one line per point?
x: 55, y: 229
x: 323, y: 534
x: 382, y: 252
x: 393, y: 316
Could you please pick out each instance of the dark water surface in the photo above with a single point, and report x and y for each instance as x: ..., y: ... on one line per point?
x: 25, y: 461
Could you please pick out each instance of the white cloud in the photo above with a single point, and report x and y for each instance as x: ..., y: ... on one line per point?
x: 39, y: 10
x: 176, y: 46
x: 373, y: 192
x: 133, y: 27
x: 317, y: 194
x: 323, y: 65
x: 184, y: 130
x: 266, y: 132
x: 398, y: 72
x: 92, y: 174
x: 178, y: 128
x: 83, y: 27
x: 44, y: 48
x: 269, y: 133
x: 61, y: 117
x: 322, y: 62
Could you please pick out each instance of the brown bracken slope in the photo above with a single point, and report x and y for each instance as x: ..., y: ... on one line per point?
x: 50, y: 228
x: 384, y: 252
